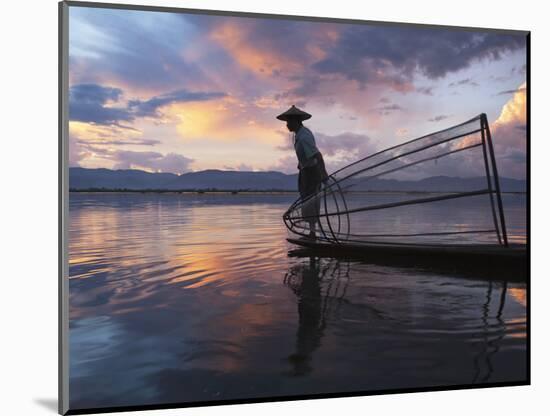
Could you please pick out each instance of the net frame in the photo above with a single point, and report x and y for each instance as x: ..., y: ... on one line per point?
x: 335, y: 222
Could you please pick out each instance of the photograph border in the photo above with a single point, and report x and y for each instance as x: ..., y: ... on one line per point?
x: 63, y: 207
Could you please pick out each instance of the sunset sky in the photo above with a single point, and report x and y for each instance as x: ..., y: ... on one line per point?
x: 178, y: 92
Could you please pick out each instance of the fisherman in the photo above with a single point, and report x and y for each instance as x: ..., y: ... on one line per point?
x: 311, y: 165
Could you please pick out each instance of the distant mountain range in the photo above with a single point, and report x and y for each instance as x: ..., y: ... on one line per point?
x: 131, y: 179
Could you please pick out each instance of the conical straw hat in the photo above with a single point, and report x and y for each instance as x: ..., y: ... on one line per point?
x: 294, y: 112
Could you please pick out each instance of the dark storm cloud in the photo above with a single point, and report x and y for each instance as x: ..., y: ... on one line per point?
x: 87, y: 103
x: 362, y: 53
x: 150, y: 107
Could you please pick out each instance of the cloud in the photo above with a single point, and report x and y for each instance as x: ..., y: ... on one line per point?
x: 91, y: 103
x: 262, y: 45
x: 393, y: 55
x: 387, y: 109
x: 346, y: 145
x: 337, y: 150
x: 514, y: 112
x: 516, y: 156
x: 94, y: 93
x: 425, y: 90
x: 260, y: 58
x: 510, y: 136
x: 518, y: 70
x: 285, y: 164
x: 508, y: 132
x: 124, y: 142
x: 89, y: 142
x: 94, y: 146
x: 243, y: 167
x: 402, y: 132
x: 229, y: 120
x: 148, y: 108
x: 164, y: 74
x: 509, y: 141
x: 77, y: 152
x: 153, y: 161
x: 139, y: 50
x: 92, y: 155
x: 344, y: 117
x: 465, y: 81
x: 87, y: 103
x: 439, y: 118
x: 520, y: 90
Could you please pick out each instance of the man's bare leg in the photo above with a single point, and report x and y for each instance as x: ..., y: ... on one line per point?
x: 312, y: 229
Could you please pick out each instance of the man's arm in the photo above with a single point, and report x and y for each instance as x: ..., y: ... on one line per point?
x: 321, y: 163
x: 300, y: 153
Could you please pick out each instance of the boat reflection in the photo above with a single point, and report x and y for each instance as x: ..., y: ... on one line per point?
x: 493, y: 334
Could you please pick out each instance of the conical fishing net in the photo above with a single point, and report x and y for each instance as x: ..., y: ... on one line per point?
x: 441, y: 188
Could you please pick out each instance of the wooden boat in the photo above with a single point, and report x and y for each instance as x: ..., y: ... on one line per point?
x: 483, y: 260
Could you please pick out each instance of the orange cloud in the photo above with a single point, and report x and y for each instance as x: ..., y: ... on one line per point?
x: 89, y: 143
x: 235, y: 39
x: 227, y: 120
x: 506, y: 129
x: 99, y: 133
x: 510, y: 135
x: 515, y: 110
x: 509, y: 128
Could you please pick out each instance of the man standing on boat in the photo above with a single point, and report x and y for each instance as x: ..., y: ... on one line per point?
x: 310, y: 163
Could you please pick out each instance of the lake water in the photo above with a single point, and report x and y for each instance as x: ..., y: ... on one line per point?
x: 184, y: 298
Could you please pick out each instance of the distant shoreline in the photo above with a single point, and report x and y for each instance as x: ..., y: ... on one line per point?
x: 252, y: 191
x: 184, y: 191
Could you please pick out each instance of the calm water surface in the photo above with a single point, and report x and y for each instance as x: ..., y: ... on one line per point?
x: 179, y: 298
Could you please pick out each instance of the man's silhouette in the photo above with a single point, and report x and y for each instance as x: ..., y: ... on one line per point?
x: 311, y: 165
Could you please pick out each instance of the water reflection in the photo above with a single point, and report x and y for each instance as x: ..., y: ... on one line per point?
x: 321, y: 297
x: 319, y: 291
x: 492, y: 335
x: 179, y: 299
